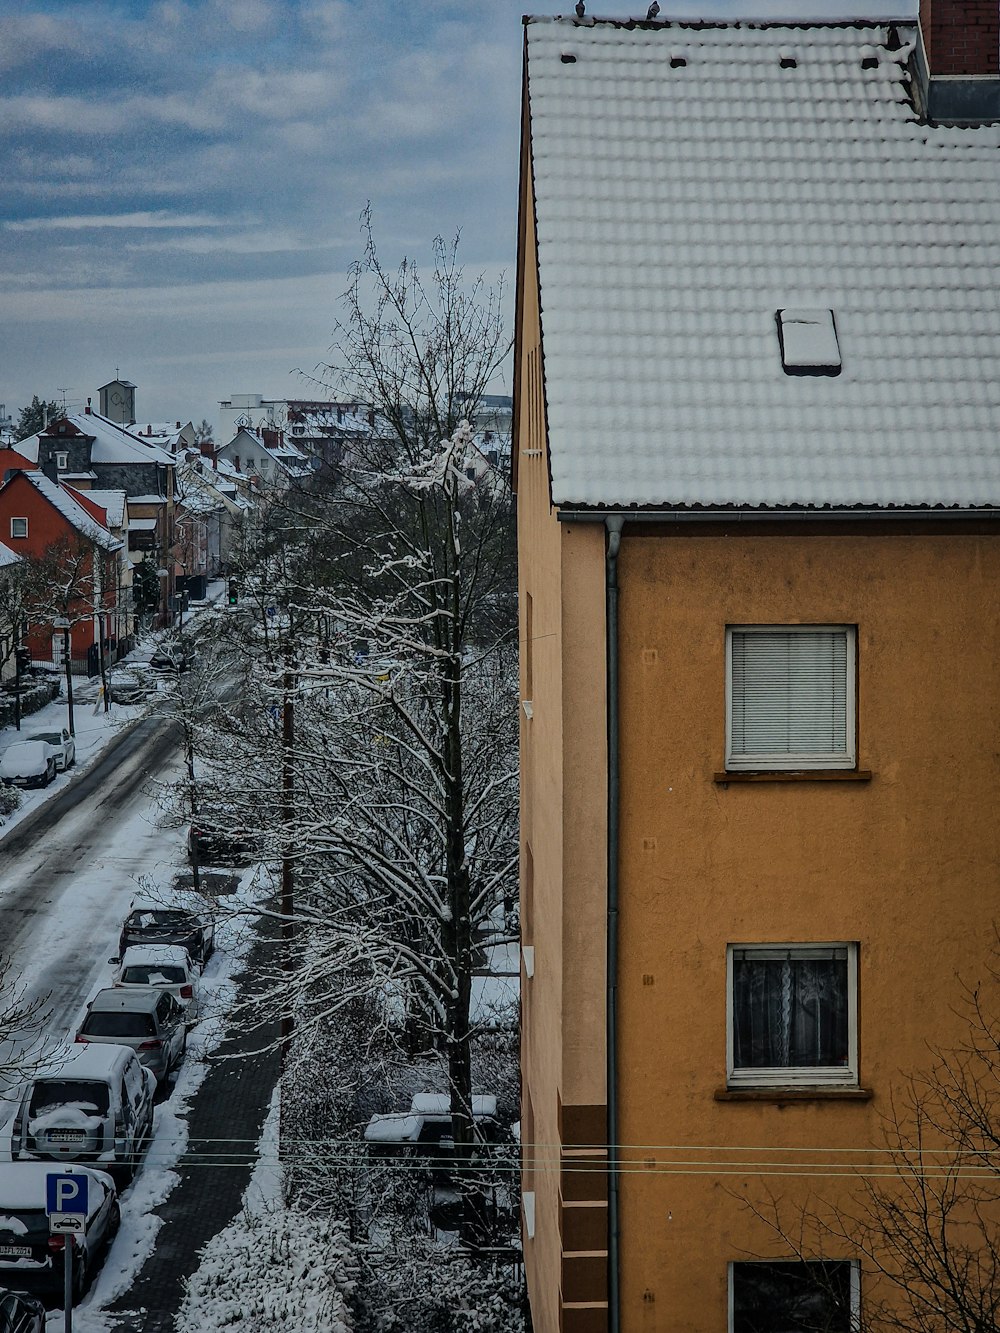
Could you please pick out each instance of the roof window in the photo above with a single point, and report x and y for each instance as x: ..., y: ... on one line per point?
x: 808, y: 342
x: 786, y: 59
x: 568, y: 58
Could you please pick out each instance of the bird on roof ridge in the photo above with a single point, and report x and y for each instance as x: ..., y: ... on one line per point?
x: 652, y: 11
x: 581, y: 9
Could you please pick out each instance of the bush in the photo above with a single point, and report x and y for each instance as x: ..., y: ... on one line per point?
x: 10, y: 800
x: 39, y: 693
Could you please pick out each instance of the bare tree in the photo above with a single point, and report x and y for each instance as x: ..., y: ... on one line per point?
x: 923, y: 1214
x: 384, y: 608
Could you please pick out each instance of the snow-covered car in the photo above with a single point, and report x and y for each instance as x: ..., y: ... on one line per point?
x: 29, y: 1255
x: 150, y: 1021
x: 186, y: 921
x: 130, y: 684
x: 64, y: 747
x: 94, y: 1104
x: 21, y: 1313
x: 213, y: 845
x: 164, y: 967
x: 28, y: 764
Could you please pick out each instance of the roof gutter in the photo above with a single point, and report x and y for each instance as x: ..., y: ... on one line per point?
x: 847, y: 515
x: 614, y: 523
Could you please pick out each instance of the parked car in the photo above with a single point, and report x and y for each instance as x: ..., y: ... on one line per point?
x: 131, y: 684
x: 150, y: 1021
x: 28, y: 764
x: 28, y: 1254
x: 164, y: 967
x: 188, y: 922
x: 214, y: 846
x: 20, y: 1313
x: 62, y: 744
x: 171, y: 657
x: 96, y: 1106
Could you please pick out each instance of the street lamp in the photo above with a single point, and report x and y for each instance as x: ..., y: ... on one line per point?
x: 62, y: 622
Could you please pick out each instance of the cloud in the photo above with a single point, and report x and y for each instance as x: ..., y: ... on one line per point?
x: 132, y: 220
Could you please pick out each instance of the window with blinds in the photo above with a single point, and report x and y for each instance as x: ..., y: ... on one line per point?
x: 790, y: 696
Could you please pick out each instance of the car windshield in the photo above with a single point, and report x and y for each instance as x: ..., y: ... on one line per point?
x: 50, y: 1093
x: 52, y: 737
x: 154, y: 919
x: 118, y: 1024
x: 154, y: 974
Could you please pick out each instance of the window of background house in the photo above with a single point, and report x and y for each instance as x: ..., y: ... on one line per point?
x: 792, y: 1014
x: 790, y: 696
x: 19, y: 527
x: 823, y: 1297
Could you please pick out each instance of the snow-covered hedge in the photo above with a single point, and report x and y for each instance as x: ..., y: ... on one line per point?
x: 10, y: 799
x: 426, y: 1287
x: 274, y: 1270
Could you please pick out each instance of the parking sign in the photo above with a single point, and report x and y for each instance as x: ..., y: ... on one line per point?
x: 66, y: 1201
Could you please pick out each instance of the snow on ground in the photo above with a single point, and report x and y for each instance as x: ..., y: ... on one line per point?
x: 272, y: 1268
x: 157, y: 1177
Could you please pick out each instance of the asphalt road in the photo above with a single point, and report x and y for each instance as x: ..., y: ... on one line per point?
x: 68, y: 872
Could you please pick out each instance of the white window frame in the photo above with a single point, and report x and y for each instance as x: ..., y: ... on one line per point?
x: 768, y: 762
x: 855, y: 1285
x: 18, y: 535
x: 62, y: 460
x: 840, y: 1076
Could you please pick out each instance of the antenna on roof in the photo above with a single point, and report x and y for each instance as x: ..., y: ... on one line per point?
x: 581, y: 9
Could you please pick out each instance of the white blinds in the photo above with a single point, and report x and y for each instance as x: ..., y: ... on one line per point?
x: 791, y: 697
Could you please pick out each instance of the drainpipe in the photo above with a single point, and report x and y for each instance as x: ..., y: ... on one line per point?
x: 614, y: 524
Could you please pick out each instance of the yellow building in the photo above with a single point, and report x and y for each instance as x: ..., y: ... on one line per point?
x: 758, y: 481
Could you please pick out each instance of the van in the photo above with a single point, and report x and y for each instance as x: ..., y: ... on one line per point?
x: 94, y: 1105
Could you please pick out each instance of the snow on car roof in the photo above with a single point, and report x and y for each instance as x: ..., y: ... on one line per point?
x: 85, y: 1061
x: 439, y: 1103
x: 393, y: 1129
x: 134, y: 999
x: 137, y: 954
x: 22, y: 1184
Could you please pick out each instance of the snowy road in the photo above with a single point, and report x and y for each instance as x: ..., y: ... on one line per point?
x: 68, y: 872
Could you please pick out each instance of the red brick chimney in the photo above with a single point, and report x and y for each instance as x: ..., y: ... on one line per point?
x: 961, y: 37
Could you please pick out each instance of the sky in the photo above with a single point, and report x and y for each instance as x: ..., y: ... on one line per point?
x: 183, y: 180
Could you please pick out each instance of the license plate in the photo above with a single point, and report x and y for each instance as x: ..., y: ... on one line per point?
x: 66, y: 1136
x: 15, y: 1251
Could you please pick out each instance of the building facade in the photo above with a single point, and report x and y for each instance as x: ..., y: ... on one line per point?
x: 759, y: 634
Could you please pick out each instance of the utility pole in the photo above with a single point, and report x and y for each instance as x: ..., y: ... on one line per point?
x: 62, y: 622
x: 287, y: 817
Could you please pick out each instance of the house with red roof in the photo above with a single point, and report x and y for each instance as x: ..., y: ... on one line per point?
x: 67, y: 533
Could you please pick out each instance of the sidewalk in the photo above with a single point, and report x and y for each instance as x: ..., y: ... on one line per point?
x: 231, y: 1104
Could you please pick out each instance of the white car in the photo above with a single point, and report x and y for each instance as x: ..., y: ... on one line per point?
x: 62, y: 744
x: 161, y: 965
x: 28, y: 764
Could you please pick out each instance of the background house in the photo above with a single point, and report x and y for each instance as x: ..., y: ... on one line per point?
x: 758, y: 489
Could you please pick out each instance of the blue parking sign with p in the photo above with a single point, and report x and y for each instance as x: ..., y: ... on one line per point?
x: 66, y: 1193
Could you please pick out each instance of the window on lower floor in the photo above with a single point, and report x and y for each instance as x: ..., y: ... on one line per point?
x: 790, y: 696
x: 801, y: 1297
x: 19, y: 527
x: 792, y: 1015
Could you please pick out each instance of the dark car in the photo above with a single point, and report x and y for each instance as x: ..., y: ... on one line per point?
x: 20, y: 1313
x: 28, y: 1253
x: 171, y: 659
x: 212, y: 846
x: 154, y: 923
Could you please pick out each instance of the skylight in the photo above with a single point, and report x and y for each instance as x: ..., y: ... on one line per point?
x: 808, y: 341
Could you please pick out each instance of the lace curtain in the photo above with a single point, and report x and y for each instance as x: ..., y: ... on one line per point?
x: 790, y: 1009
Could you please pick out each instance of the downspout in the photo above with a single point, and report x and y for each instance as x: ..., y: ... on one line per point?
x: 614, y: 524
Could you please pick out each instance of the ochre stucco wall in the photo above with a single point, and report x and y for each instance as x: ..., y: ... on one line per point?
x: 906, y: 864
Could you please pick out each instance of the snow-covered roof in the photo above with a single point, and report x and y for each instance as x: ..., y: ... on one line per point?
x: 71, y: 509
x: 112, y: 443
x: 113, y: 503
x: 7, y: 556
x: 142, y: 524
x: 693, y: 181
